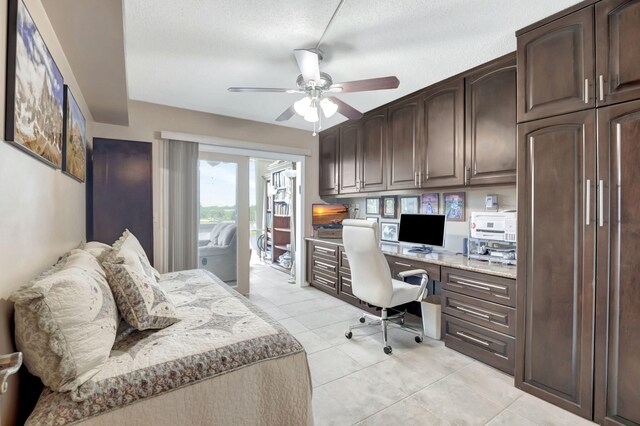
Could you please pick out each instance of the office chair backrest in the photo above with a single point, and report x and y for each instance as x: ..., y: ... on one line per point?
x: 370, y: 273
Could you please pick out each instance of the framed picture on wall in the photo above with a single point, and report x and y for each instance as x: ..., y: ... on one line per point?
x: 389, y: 210
x: 410, y: 205
x: 430, y: 203
x: 454, y: 207
x: 372, y: 219
x: 389, y: 231
x: 34, y: 98
x: 373, y: 206
x: 74, y: 149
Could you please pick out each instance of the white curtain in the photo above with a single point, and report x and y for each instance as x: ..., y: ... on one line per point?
x: 181, y: 205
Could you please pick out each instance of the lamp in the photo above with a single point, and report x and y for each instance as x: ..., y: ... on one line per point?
x: 328, y: 107
x: 302, y: 106
x: 312, y: 113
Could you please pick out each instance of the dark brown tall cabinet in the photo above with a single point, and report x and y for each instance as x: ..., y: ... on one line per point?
x: 579, y: 221
x: 403, y: 144
x: 328, y: 163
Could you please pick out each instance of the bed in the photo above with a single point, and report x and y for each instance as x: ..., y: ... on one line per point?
x: 225, y: 362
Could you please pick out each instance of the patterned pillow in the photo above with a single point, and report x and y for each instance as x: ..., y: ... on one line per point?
x: 141, y: 301
x: 65, y: 322
x: 129, y: 248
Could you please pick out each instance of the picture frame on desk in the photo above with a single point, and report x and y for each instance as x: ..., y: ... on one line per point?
x: 389, y: 207
x: 389, y: 231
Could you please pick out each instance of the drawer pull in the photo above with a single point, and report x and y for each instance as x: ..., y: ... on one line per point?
x: 406, y: 265
x: 323, y: 281
x: 325, y: 250
x: 346, y: 279
x: 324, y: 265
x: 477, y: 284
x: 466, y: 284
x: 466, y: 336
x: 471, y: 312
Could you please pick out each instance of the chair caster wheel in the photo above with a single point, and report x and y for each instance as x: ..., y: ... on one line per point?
x: 387, y: 350
x: 348, y: 335
x: 362, y: 320
x: 419, y: 339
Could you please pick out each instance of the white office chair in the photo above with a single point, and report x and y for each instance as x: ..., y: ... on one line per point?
x: 371, y: 279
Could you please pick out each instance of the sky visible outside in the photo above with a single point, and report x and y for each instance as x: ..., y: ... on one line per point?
x: 218, y: 183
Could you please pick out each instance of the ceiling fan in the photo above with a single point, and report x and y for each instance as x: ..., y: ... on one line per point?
x: 318, y: 88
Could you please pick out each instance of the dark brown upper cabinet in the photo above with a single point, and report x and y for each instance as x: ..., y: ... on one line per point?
x: 617, y: 396
x: 348, y: 161
x: 490, y: 128
x: 442, y: 135
x: 374, y: 144
x: 556, y: 260
x: 328, y: 162
x: 617, y: 52
x: 403, y: 149
x: 556, y: 67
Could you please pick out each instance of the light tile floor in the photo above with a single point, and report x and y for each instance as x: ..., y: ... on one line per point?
x: 419, y: 384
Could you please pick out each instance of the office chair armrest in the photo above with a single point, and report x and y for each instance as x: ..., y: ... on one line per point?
x: 423, y: 282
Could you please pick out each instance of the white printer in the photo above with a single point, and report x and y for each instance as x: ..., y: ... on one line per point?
x: 492, y: 236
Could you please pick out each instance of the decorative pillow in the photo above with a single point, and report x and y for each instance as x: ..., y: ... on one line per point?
x: 129, y: 248
x: 97, y: 249
x: 141, y: 301
x: 66, y: 322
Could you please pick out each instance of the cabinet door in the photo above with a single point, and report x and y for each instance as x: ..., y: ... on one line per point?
x: 348, y: 170
x: 556, y: 273
x: 491, y: 123
x: 402, y: 148
x: 618, y: 333
x: 443, y: 135
x: 328, y: 173
x: 617, y: 53
x: 556, y: 67
x: 374, y: 144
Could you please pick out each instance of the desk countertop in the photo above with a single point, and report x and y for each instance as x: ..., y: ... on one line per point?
x: 443, y: 258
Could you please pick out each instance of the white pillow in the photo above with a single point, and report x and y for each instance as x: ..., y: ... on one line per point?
x: 96, y: 248
x: 66, y: 322
x: 128, y: 248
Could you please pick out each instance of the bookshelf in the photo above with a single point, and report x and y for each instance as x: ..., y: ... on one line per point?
x: 279, y: 208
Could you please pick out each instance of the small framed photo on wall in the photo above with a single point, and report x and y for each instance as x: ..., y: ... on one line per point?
x: 389, y: 231
x: 372, y: 219
x: 430, y: 203
x: 373, y: 206
x: 410, y: 205
x: 454, y: 207
x: 389, y: 209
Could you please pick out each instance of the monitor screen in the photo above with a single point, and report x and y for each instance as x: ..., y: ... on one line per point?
x: 426, y: 229
x: 329, y: 215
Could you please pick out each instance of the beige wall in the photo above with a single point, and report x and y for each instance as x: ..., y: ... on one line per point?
x: 146, y: 121
x: 42, y: 211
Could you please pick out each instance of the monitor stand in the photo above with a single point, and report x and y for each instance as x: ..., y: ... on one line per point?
x: 421, y: 249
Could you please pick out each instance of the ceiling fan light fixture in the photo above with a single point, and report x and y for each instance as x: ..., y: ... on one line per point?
x: 303, y: 106
x: 329, y: 108
x: 312, y: 115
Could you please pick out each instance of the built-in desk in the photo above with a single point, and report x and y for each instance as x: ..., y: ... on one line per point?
x: 478, y: 298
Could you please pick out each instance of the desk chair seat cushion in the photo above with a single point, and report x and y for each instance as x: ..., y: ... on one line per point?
x: 403, y: 293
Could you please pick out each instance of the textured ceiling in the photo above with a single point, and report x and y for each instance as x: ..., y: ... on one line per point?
x: 186, y: 53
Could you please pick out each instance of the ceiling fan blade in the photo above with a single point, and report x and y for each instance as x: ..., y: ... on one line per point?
x: 287, y: 114
x: 309, y: 64
x: 263, y: 89
x: 347, y: 110
x: 379, y: 83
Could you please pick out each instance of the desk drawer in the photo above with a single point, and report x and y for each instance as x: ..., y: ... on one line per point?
x: 490, y: 315
x: 327, y: 251
x: 485, y: 287
x: 327, y: 282
x: 494, y: 349
x: 322, y: 265
x: 399, y: 264
x: 343, y: 261
x: 346, y: 291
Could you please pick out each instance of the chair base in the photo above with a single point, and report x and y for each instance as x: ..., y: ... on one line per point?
x: 383, y: 320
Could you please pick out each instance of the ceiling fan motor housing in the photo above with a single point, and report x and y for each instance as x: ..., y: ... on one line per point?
x: 325, y: 82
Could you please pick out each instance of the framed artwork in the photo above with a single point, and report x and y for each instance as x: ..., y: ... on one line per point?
x: 34, y: 98
x: 389, y: 231
x: 74, y: 149
x: 373, y: 206
x: 454, y: 206
x: 389, y: 207
x: 372, y: 219
x: 410, y: 205
x: 431, y: 203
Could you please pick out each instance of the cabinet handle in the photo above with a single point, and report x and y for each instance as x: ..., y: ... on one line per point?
x: 472, y: 312
x: 601, y: 84
x: 475, y: 167
x: 325, y: 250
x: 588, y: 201
x: 415, y: 178
x: 323, y: 281
x: 466, y: 284
x: 586, y: 90
x: 324, y: 265
x: 406, y: 265
x: 466, y: 336
x: 466, y: 175
x: 601, y: 203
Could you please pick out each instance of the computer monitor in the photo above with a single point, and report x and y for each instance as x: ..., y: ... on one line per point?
x: 428, y: 230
